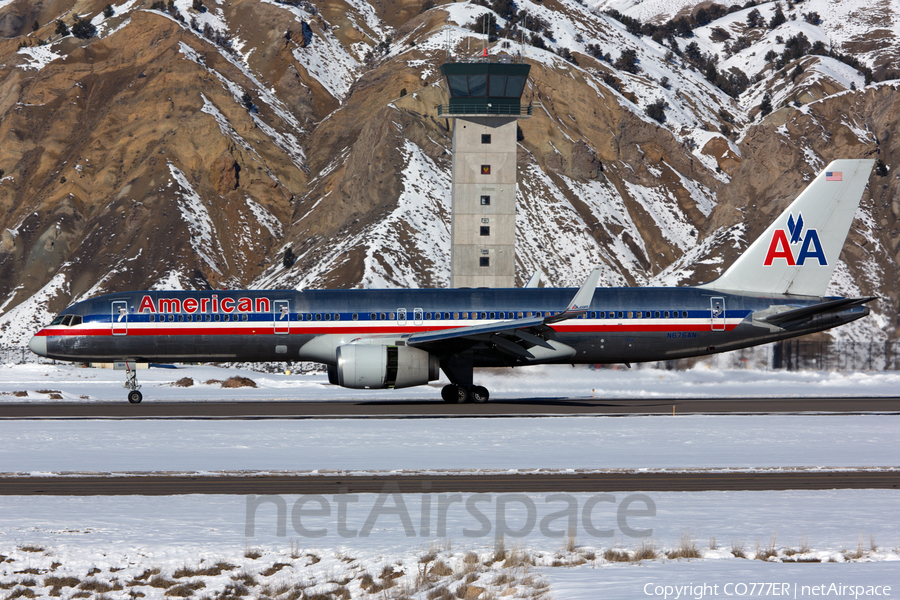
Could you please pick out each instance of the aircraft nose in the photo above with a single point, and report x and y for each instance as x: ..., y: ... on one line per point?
x: 38, y: 345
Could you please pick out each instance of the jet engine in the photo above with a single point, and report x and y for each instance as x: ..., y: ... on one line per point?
x: 363, y: 366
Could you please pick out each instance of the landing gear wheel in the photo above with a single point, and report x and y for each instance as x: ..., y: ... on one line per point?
x: 479, y: 394
x: 135, y: 397
x: 450, y: 393
x: 462, y: 394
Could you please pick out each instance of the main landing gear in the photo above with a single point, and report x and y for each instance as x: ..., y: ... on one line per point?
x: 131, y: 384
x: 457, y: 393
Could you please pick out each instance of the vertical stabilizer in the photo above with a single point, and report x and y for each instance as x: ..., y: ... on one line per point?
x: 798, y: 252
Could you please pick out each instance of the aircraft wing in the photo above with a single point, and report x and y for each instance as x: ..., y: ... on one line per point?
x: 513, y: 337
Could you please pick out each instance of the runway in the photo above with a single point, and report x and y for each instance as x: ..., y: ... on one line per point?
x: 437, y: 409
x: 160, y: 485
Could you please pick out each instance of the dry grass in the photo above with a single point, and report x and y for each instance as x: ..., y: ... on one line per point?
x: 212, y: 382
x: 158, y: 581
x: 31, y: 548
x: 737, y: 549
x: 616, y: 555
x: 245, y: 578
x: 98, y: 586
x: 687, y: 548
x: 185, y: 589
x: 274, y: 569
x: 440, y: 569
x: 184, y: 382
x: 646, y: 552
x: 21, y: 592
x: 252, y: 553
x: 22, y: 394
x: 238, y: 382
x: 61, y: 582
x: 212, y: 571
x: 147, y: 574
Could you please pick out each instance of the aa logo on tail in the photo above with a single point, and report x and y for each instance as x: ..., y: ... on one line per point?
x: 782, y: 247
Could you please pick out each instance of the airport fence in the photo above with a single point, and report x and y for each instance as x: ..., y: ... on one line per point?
x: 790, y: 355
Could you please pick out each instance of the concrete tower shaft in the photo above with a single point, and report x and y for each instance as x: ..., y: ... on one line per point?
x: 485, y: 104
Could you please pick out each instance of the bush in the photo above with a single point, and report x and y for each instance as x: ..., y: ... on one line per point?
x: 35, y: 26
x: 402, y: 92
x: 880, y: 168
x: 778, y: 18
x: 812, y: 18
x: 766, y: 106
x: 627, y: 61
x: 83, y: 29
x: 657, y: 110
x: 197, y: 5
x: 108, y: 11
x: 246, y: 101
x: 288, y: 260
x: 61, y: 28
x: 238, y: 382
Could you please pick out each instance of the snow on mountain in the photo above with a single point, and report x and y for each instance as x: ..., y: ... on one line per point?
x: 656, y: 201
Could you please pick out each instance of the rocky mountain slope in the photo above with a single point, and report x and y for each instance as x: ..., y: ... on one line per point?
x: 190, y: 145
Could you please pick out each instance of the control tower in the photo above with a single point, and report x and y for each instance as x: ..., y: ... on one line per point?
x: 485, y: 104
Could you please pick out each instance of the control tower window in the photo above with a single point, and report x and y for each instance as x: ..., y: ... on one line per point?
x: 485, y: 138
x: 485, y: 230
x: 484, y: 261
x: 485, y: 200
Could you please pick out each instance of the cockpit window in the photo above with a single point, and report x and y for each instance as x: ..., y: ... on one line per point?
x: 76, y: 320
x: 58, y: 319
x: 67, y: 320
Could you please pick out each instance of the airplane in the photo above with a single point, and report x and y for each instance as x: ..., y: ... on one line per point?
x: 397, y: 338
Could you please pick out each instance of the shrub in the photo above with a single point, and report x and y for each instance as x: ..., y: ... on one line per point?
x: 289, y: 259
x: 766, y: 106
x: 402, y: 92
x: 657, y: 110
x: 880, y: 168
x: 35, y: 26
x: 108, y: 11
x: 197, y: 5
x: 246, y: 101
x: 627, y: 61
x: 62, y: 28
x: 83, y: 29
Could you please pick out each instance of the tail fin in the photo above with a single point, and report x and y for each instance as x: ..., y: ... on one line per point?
x: 798, y: 252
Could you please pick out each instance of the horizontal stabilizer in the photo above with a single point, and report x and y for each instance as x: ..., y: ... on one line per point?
x: 807, y: 312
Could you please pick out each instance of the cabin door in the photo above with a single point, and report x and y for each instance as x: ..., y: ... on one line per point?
x: 282, y: 314
x: 120, y: 317
x: 717, y: 313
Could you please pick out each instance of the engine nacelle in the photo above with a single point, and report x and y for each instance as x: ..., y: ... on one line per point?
x: 363, y: 366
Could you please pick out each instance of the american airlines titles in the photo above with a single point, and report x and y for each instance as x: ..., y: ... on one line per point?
x: 211, y: 304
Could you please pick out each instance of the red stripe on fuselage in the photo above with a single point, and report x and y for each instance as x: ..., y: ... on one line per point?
x: 348, y: 330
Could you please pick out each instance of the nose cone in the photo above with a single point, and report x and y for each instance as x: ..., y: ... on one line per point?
x: 38, y: 345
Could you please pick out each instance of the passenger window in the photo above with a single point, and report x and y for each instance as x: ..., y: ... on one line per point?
x: 493, y: 316
x: 355, y: 317
x: 666, y: 315
x: 152, y: 318
x: 437, y: 316
x: 657, y: 314
x: 373, y: 317
x: 446, y: 315
x: 245, y: 318
x: 684, y: 314
x: 392, y: 316
x: 455, y: 315
x: 180, y: 318
x: 382, y: 316
x: 218, y: 317
x: 621, y: 314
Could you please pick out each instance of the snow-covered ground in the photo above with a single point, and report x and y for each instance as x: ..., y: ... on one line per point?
x: 124, y: 536
x: 76, y: 384
x: 58, y: 537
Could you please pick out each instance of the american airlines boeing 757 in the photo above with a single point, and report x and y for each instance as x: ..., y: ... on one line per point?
x: 374, y: 339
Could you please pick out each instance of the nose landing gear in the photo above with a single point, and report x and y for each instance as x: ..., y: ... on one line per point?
x: 131, y: 384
